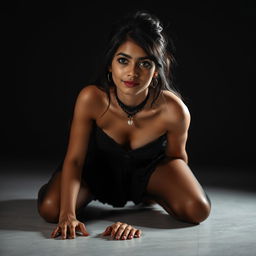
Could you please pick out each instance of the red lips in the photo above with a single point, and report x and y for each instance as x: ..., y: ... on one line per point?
x: 131, y: 83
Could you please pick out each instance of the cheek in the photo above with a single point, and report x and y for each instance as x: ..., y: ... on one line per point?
x: 149, y: 74
x: 116, y: 70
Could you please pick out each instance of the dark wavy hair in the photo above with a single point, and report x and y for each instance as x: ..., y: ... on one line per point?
x: 147, y: 31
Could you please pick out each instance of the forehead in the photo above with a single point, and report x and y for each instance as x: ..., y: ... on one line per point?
x: 131, y: 48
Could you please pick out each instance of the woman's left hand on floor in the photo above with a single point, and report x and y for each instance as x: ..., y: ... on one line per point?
x: 122, y: 231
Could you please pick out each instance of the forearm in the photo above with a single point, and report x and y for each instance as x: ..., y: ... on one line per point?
x: 70, y: 185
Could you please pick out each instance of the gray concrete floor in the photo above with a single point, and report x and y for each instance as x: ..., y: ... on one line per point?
x: 230, y: 229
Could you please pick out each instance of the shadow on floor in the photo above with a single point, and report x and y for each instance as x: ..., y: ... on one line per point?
x: 22, y: 215
x: 150, y: 217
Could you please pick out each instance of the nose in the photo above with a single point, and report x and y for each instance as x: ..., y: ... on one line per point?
x: 133, y: 71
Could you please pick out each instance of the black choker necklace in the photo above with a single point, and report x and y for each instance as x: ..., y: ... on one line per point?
x: 131, y: 111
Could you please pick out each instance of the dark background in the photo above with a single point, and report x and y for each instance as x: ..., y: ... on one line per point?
x: 50, y: 51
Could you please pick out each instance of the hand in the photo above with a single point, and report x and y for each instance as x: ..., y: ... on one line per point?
x: 122, y: 230
x: 69, y: 225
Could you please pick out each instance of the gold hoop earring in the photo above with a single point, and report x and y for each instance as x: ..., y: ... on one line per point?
x: 108, y: 77
x: 154, y: 82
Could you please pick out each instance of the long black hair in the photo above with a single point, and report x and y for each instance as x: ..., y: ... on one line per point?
x: 147, y: 31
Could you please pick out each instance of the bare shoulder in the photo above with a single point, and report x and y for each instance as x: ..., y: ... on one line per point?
x: 90, y: 92
x: 92, y: 98
x: 176, y: 112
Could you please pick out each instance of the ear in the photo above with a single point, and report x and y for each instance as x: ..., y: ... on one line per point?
x: 155, y: 74
x: 110, y: 69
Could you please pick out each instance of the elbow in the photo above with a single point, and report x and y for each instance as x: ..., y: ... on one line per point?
x: 184, y: 158
x: 72, y: 169
x: 74, y: 163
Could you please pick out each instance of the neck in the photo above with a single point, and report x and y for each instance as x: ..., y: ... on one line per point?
x: 131, y: 99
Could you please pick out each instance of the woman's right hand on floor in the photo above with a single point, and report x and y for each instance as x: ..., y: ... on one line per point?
x: 68, y: 226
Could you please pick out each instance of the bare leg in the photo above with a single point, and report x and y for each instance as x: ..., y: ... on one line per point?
x: 176, y: 189
x: 48, y: 202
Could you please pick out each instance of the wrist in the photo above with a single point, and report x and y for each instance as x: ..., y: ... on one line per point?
x: 66, y: 215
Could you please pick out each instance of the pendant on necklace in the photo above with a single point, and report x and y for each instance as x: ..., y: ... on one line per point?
x: 130, y: 121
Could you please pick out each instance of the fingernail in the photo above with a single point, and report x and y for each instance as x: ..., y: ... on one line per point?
x: 124, y: 237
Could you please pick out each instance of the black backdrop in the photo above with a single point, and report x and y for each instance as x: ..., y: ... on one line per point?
x: 51, y: 51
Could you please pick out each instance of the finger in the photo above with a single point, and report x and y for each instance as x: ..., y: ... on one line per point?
x: 107, y: 231
x: 126, y: 232
x: 83, y: 229
x: 132, y: 233
x: 72, y: 231
x: 64, y: 231
x: 137, y: 233
x: 121, y: 230
x: 115, y: 228
x: 54, y: 233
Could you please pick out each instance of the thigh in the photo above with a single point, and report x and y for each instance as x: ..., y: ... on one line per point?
x: 177, y: 190
x: 49, y: 196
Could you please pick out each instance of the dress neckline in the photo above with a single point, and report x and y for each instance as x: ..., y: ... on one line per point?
x: 129, y: 150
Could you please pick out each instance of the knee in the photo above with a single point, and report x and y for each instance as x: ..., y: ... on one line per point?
x: 194, y: 211
x: 48, y: 210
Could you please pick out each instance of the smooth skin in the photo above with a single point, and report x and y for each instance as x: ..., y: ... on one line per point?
x: 172, y: 185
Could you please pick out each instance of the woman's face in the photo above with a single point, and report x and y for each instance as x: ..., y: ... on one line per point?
x: 132, y: 69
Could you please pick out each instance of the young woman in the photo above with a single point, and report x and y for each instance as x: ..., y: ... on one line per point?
x: 127, y: 138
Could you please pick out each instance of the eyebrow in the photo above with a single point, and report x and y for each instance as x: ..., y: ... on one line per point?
x: 129, y: 57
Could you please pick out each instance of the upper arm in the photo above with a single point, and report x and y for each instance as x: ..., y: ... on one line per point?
x: 178, y: 121
x: 81, y: 126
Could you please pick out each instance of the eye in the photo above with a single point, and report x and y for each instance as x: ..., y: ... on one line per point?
x: 122, y: 60
x: 146, y: 64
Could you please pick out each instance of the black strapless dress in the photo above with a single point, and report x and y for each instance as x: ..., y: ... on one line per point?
x: 116, y: 175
